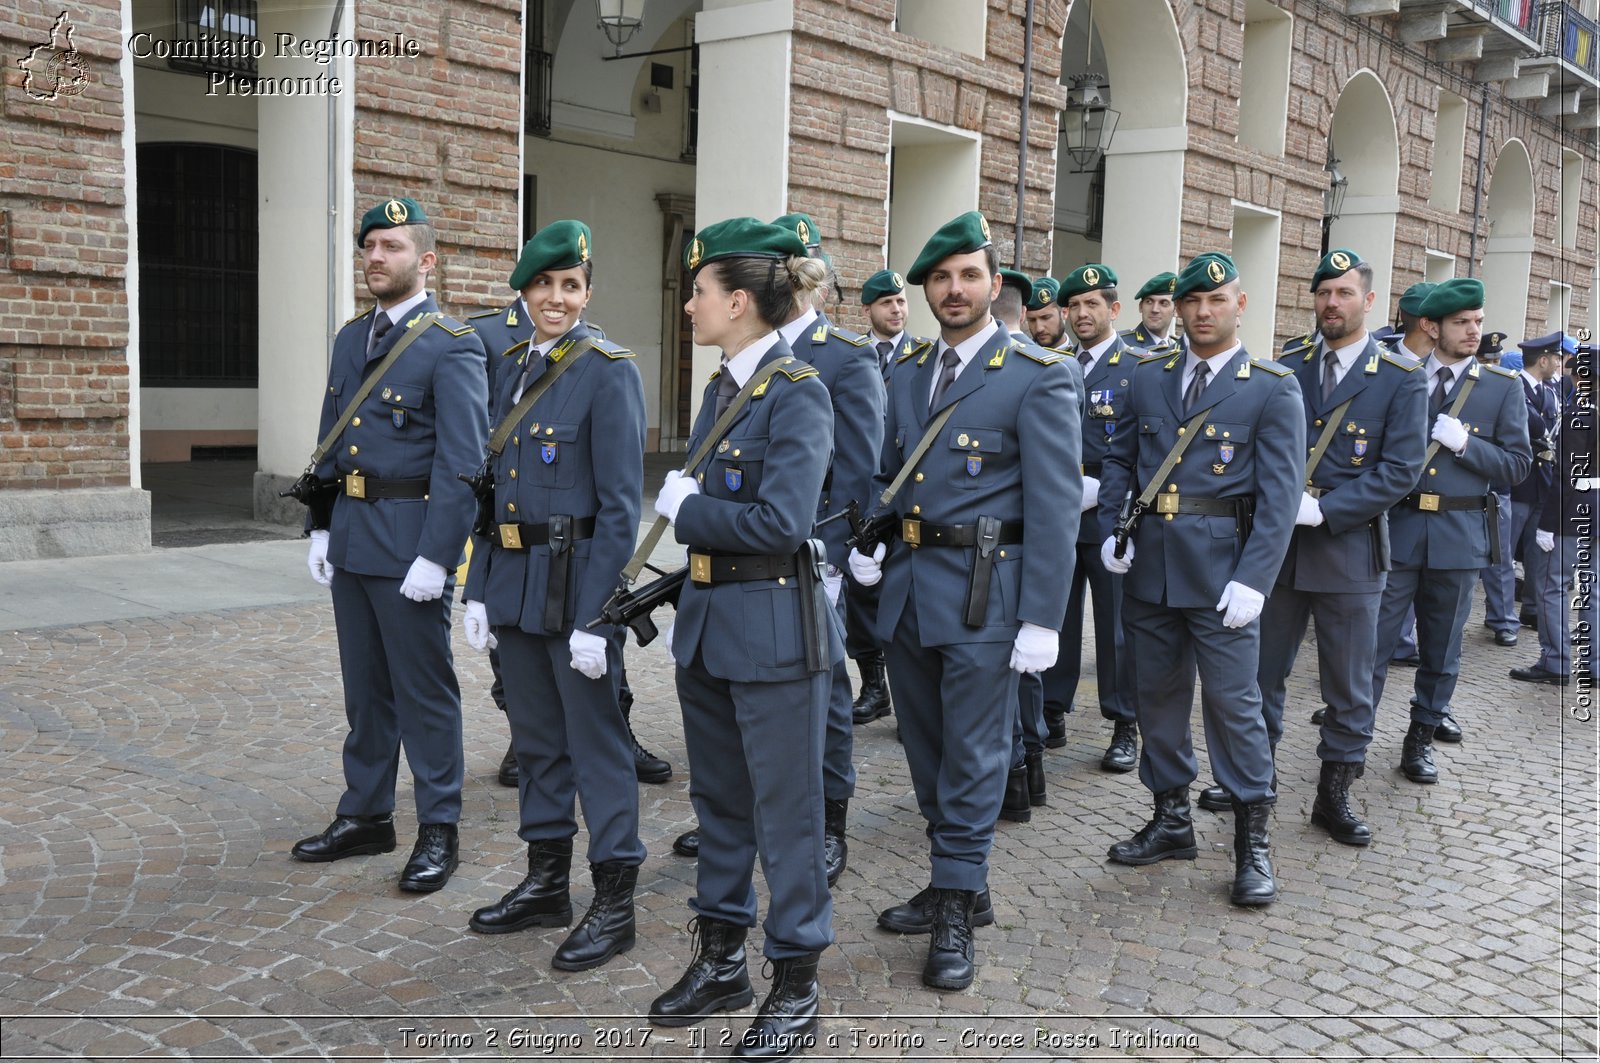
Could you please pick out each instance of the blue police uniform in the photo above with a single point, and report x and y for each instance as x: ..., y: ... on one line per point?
x: 424, y: 422
x: 1010, y: 448
x: 1528, y: 497
x: 753, y: 715
x: 1569, y: 512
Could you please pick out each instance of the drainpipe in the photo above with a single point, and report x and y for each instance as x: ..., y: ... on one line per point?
x: 1477, y: 185
x: 330, y: 286
x: 1022, y: 140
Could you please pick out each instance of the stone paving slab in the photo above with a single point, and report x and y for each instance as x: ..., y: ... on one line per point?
x: 158, y: 768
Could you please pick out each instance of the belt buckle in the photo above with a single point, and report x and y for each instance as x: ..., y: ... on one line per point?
x: 911, y: 532
x: 700, y: 568
x: 1167, y: 503
x: 511, y: 536
x: 1428, y: 503
x: 355, y: 486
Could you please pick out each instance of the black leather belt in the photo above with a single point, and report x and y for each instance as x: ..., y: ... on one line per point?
x: 921, y: 533
x: 522, y: 536
x: 1431, y: 503
x: 740, y: 568
x: 1318, y: 492
x: 1209, y: 507
x: 368, y: 488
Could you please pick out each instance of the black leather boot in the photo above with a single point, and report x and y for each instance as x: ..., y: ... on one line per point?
x: 646, y: 765
x: 607, y: 927
x: 1331, y: 809
x: 1016, y: 807
x: 834, y: 848
x: 950, y: 952
x: 347, y: 836
x: 1055, y: 728
x: 1168, y: 836
x: 1253, y: 884
x: 433, y: 859
x: 541, y: 899
x: 1318, y: 717
x: 786, y: 1024
x: 873, y: 701
x: 1033, y: 764
x: 1416, y: 755
x: 507, y: 775
x: 1215, y: 799
x: 1122, y: 755
x: 916, y: 915
x: 687, y: 843
x: 717, y: 978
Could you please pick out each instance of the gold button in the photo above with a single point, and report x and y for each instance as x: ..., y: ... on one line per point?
x: 916, y: 509
x: 517, y: 441
x: 1173, y: 488
x: 919, y: 477
x: 1319, y: 422
x: 549, y: 431
x: 511, y: 507
x: 356, y: 422
x: 355, y: 450
x: 736, y: 453
x: 397, y: 398
x: 1433, y: 472
x: 975, y: 442
x: 701, y: 477
x: 1227, y: 435
x: 1177, y: 460
x: 513, y: 474
x: 1002, y: 553
x: 782, y: 581
x: 1168, y: 516
x: 1180, y: 431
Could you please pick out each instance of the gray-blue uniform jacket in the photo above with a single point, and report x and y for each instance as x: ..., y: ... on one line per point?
x: 1252, y: 443
x: 1010, y: 451
x: 1106, y: 390
x: 575, y: 453
x: 758, y: 495
x: 1537, y: 485
x: 1140, y: 339
x: 501, y: 331
x: 398, y: 434
x: 1496, y: 419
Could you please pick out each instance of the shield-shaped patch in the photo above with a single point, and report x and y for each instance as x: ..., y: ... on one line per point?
x: 547, y: 452
x: 1224, y: 452
x: 398, y: 416
x: 1361, y: 448
x: 974, y: 464
x: 733, y: 477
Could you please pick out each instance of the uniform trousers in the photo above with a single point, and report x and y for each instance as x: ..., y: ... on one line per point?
x: 755, y: 779
x: 838, y: 767
x: 1443, y: 598
x: 860, y: 614
x: 399, y: 690
x: 1028, y: 728
x: 1557, y: 635
x: 571, y: 742
x: 1113, y: 666
x: 1347, y: 629
x: 1175, y: 644
x: 1499, y: 582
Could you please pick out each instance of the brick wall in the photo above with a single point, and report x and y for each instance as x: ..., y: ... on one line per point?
x: 63, y: 258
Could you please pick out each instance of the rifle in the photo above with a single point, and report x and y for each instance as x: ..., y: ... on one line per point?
x: 866, y: 533
x: 482, y: 484
x: 631, y: 607
x: 316, y: 495
x: 1128, y: 518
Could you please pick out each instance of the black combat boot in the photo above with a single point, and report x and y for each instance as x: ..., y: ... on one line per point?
x: 950, y: 952
x: 1416, y: 755
x: 541, y: 899
x: 1017, y: 808
x: 786, y: 1025
x: 1122, y: 755
x: 1215, y: 799
x: 1168, y: 836
x: 1331, y: 809
x: 1253, y: 884
x: 717, y: 978
x: 1055, y: 728
x: 607, y: 927
x: 434, y: 858
x: 508, y: 773
x: 1033, y: 764
x: 646, y: 765
x: 873, y: 701
x: 834, y: 848
x: 916, y: 915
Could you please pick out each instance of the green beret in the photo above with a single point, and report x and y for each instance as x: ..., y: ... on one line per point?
x: 805, y: 227
x: 388, y: 214
x: 959, y: 236
x: 1045, y: 291
x: 1335, y: 264
x: 1452, y: 296
x: 1160, y: 284
x: 1020, y: 281
x: 1411, y: 301
x: 882, y: 283
x: 1206, y: 272
x: 559, y: 245
x: 1094, y: 277
x: 742, y: 238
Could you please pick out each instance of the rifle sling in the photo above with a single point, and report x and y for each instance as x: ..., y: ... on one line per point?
x: 508, y: 424
x: 1455, y: 411
x: 1315, y: 457
x: 412, y: 332
x: 1186, y: 436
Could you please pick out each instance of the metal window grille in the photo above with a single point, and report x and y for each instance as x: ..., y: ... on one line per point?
x: 691, y: 138
x: 206, y: 28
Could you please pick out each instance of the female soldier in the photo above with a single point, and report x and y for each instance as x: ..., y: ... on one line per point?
x: 566, y: 511
x: 753, y: 653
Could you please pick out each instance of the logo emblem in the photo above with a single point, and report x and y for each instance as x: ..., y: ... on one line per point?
x: 899, y: 281
x: 387, y: 393
x: 1340, y: 260
x: 733, y: 477
x: 961, y: 440
x: 1044, y: 296
x: 55, y: 68
x: 1215, y: 271
x: 583, y: 248
x: 696, y: 250
x: 803, y: 231
x: 983, y: 223
x: 398, y: 416
x: 547, y: 452
x: 1091, y: 276
x: 396, y: 212
x: 974, y: 464
x: 1172, y: 285
x: 1361, y: 448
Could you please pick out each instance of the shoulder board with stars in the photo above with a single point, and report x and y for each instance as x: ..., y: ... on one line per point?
x: 912, y: 350
x: 612, y: 350
x: 1407, y: 364
x: 1266, y: 365
x: 1501, y: 371
x: 849, y: 337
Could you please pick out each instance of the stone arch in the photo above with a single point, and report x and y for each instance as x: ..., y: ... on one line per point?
x: 1365, y: 140
x: 590, y: 91
x: 1508, y: 251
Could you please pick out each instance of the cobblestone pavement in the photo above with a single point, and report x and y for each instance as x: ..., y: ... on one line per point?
x: 157, y: 771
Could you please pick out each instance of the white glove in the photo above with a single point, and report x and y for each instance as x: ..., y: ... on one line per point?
x: 317, y: 559
x: 1240, y: 604
x: 1091, y: 492
x: 1114, y: 564
x: 1546, y: 540
x: 867, y: 571
x: 1450, y: 433
x: 674, y: 490
x: 666, y: 639
x: 476, y: 625
x: 1310, y: 514
x: 588, y: 654
x: 1584, y: 485
x: 833, y: 583
x: 424, y: 582
x: 1035, y: 648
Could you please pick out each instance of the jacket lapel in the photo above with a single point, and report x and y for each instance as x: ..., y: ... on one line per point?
x: 1355, y: 379
x: 1222, y: 385
x: 970, y: 377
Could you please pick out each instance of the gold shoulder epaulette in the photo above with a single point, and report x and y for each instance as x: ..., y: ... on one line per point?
x: 451, y: 325
x: 849, y: 337
x: 483, y: 313
x: 1041, y: 354
x: 612, y: 350
x: 1270, y: 366
x: 911, y: 350
x: 1407, y: 364
x: 514, y: 348
x: 358, y: 317
x: 795, y: 369
x: 1298, y: 344
x: 1502, y: 370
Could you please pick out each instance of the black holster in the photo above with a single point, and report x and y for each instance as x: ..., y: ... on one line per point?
x: 813, y: 570
x: 1381, y: 559
x: 559, y: 577
x: 977, y: 606
x: 1491, y: 510
x: 482, y: 484
x: 1245, y: 516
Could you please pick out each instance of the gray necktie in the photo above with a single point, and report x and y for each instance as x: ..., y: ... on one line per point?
x: 885, y: 347
x: 379, y: 328
x: 727, y: 388
x: 1330, y: 374
x: 1084, y: 359
x: 1441, y: 389
x: 949, y: 363
x: 1196, y: 386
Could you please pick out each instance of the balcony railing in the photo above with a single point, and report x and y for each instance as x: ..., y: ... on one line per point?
x: 1520, y: 15
x: 1568, y: 33
x: 540, y: 65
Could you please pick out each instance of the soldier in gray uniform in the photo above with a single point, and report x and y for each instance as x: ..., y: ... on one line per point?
x: 391, y: 544
x: 754, y: 639
x: 565, y: 510
x: 1364, y: 423
x: 1154, y: 332
x: 969, y: 599
x: 1045, y: 320
x: 1201, y: 562
x: 1440, y: 532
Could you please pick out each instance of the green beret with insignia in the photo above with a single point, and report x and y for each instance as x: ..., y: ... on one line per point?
x: 958, y: 236
x: 1045, y: 292
x: 390, y: 213
x: 742, y: 238
x: 1160, y: 284
x: 559, y: 245
x: 1411, y: 301
x: 1335, y: 264
x: 1451, y: 297
x: 882, y: 283
x: 1094, y: 277
x: 805, y: 227
x: 1206, y: 272
x: 1020, y: 281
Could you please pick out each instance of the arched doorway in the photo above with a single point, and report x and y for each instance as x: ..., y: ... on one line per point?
x: 1508, y: 252
x: 1365, y: 150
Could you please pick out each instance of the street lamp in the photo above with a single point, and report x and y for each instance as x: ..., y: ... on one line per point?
x: 1087, y: 123
x: 1332, y: 196
x: 619, y: 19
